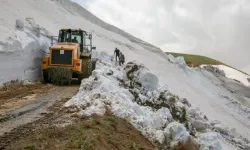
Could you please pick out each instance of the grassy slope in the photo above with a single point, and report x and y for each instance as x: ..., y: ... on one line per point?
x: 198, y: 60
x: 96, y: 133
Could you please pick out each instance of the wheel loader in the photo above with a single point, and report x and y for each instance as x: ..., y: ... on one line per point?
x: 70, y: 57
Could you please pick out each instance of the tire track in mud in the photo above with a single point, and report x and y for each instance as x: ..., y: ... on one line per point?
x: 34, y: 111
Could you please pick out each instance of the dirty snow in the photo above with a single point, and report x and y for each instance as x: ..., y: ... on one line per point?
x: 155, y: 112
x: 234, y: 74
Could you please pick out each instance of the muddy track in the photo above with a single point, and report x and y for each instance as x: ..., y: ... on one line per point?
x: 46, y: 125
x: 36, y: 108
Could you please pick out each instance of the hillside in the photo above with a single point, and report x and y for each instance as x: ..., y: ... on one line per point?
x: 198, y: 60
x: 26, y: 42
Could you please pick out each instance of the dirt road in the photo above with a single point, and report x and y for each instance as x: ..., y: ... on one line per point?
x: 37, y: 120
x: 24, y: 104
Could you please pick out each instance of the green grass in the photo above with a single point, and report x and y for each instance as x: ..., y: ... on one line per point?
x: 198, y: 60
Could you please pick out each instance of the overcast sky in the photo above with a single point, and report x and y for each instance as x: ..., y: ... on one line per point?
x: 215, y: 28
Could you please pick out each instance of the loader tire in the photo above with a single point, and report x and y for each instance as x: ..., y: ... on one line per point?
x: 45, y: 77
x: 86, y: 68
x: 80, y: 78
x: 89, y: 68
x: 93, y: 65
x: 60, y: 75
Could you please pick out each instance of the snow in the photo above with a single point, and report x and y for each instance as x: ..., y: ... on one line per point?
x: 101, y: 90
x: 153, y: 112
x: 22, y: 50
x: 234, y: 74
x: 143, y: 76
x: 210, y: 140
x: 194, y: 111
x: 177, y: 132
x: 200, y: 125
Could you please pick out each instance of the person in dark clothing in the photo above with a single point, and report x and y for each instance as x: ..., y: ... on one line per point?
x: 74, y: 40
x: 117, y: 54
x: 121, y: 59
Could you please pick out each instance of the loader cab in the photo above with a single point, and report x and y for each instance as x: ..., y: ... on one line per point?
x: 77, y: 36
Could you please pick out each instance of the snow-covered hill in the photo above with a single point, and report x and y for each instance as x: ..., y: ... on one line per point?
x: 38, y: 20
x: 22, y: 47
x: 234, y: 74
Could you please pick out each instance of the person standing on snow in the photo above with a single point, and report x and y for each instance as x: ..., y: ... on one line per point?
x: 116, y: 53
x: 121, y: 59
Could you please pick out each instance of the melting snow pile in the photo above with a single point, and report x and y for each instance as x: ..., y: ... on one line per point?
x: 176, y: 60
x: 214, y: 70
x: 231, y: 73
x: 132, y: 93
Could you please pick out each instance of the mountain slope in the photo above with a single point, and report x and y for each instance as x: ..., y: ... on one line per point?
x: 41, y: 20
x: 71, y: 7
x: 198, y: 60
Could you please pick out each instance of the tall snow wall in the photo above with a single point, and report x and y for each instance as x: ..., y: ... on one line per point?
x: 20, y: 57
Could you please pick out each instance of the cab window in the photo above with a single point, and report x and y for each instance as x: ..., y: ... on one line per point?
x: 76, y: 37
x: 64, y: 36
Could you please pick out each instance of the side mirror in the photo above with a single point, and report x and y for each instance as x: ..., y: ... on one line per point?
x: 90, y: 36
x: 93, y: 48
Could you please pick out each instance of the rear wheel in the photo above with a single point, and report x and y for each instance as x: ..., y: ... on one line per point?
x: 80, y: 77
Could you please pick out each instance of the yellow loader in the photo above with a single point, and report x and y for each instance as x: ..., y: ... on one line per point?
x: 70, y: 57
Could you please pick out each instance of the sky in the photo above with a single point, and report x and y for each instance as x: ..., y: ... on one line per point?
x: 216, y: 28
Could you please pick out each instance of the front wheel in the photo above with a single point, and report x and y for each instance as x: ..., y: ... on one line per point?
x: 45, y: 77
x: 93, y: 65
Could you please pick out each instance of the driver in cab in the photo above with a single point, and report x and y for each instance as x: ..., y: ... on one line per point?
x: 74, y: 40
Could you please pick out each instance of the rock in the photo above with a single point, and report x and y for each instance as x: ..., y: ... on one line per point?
x: 19, y: 24
x: 199, y: 125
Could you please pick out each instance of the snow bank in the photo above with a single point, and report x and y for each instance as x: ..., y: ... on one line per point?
x: 214, y: 70
x: 176, y: 132
x: 102, y: 90
x: 21, y: 56
x: 233, y: 74
x: 177, y: 60
x: 210, y: 140
x: 162, y: 117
